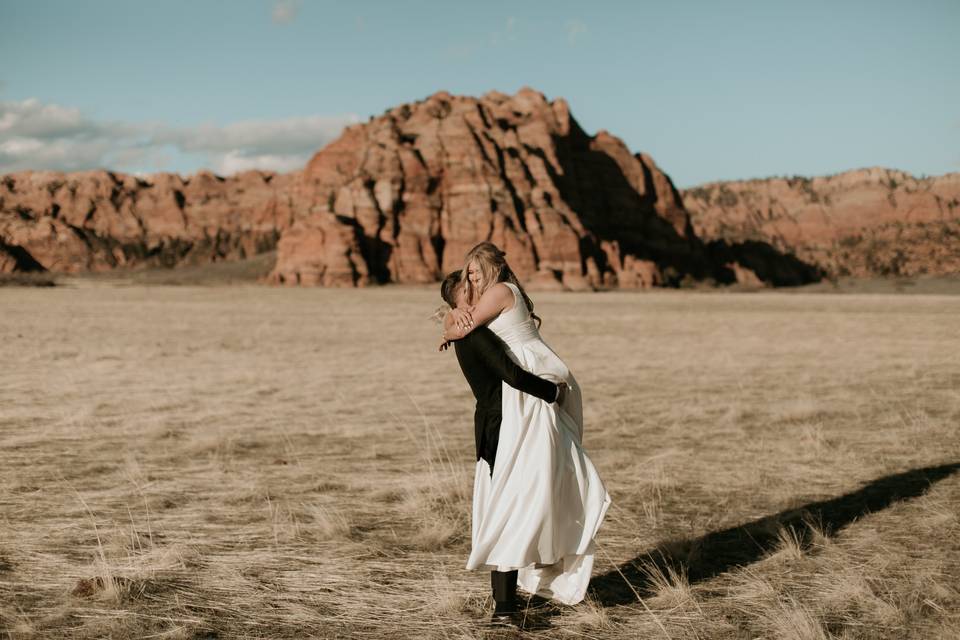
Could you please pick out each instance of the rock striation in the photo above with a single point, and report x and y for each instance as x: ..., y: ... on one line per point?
x: 403, y: 197
x: 400, y: 198
x: 862, y: 223
x: 98, y: 220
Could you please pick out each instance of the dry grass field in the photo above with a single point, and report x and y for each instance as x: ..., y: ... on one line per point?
x: 255, y: 462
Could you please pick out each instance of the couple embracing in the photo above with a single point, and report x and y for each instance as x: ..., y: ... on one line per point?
x: 537, y: 498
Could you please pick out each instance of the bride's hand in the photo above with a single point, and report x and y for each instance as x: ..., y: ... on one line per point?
x: 462, y: 319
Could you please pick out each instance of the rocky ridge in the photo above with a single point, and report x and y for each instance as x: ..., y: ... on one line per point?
x: 423, y: 183
x: 400, y: 198
x: 861, y: 223
x: 99, y: 220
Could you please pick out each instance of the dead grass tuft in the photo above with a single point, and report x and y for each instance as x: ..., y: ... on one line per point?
x: 590, y: 614
x: 789, y: 544
x: 669, y: 586
x: 789, y: 620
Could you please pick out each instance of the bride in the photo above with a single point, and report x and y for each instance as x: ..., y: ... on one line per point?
x: 539, y: 511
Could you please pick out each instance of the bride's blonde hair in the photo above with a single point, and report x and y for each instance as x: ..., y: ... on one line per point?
x: 492, y: 263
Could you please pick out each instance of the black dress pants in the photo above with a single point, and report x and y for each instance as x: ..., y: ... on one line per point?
x: 504, y: 585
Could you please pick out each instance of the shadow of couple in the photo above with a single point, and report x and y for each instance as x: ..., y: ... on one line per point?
x: 720, y: 551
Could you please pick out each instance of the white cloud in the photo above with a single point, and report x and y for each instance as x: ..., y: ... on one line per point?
x: 236, y: 161
x: 289, y: 135
x: 34, y: 135
x: 576, y: 31
x: 18, y: 154
x: 285, y: 11
x: 507, y: 34
x: 33, y: 119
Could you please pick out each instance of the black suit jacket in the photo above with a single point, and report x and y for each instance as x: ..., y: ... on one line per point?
x: 485, y: 364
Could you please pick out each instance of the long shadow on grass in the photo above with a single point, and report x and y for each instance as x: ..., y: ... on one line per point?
x: 720, y: 551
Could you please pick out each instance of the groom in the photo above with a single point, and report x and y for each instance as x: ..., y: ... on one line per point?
x: 486, y: 365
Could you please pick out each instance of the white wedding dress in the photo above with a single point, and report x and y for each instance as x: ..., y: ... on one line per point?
x: 540, y: 511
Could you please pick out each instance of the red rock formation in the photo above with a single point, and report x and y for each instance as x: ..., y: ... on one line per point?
x: 868, y: 222
x: 425, y: 182
x: 96, y: 220
x: 401, y: 198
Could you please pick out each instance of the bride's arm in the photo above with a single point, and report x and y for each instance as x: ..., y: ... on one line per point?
x: 491, y: 303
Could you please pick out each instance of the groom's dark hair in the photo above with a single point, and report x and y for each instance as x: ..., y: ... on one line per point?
x: 448, y: 287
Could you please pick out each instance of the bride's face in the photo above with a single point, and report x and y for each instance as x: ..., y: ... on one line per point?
x: 475, y: 276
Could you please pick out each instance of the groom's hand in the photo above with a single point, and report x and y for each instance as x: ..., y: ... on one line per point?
x: 562, y: 390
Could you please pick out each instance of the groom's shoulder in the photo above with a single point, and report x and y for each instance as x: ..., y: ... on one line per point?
x: 483, y: 335
x: 480, y: 337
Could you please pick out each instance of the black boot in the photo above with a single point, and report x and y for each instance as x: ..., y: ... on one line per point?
x: 504, y: 585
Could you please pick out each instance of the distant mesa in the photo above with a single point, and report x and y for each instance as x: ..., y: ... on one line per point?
x: 862, y: 223
x: 402, y: 197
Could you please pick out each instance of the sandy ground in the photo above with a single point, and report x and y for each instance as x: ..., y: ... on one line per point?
x: 257, y: 462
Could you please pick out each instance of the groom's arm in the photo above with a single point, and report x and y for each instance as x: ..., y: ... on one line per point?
x: 494, y: 355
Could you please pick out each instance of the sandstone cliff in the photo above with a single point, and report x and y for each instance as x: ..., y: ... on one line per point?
x: 423, y: 183
x: 399, y: 199
x: 863, y: 223
x: 97, y: 220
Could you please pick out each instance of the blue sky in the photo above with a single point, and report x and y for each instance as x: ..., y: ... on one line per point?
x: 712, y: 90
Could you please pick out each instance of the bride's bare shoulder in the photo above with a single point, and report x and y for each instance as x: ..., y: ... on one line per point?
x: 500, y: 289
x: 497, y: 298
x: 502, y: 295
